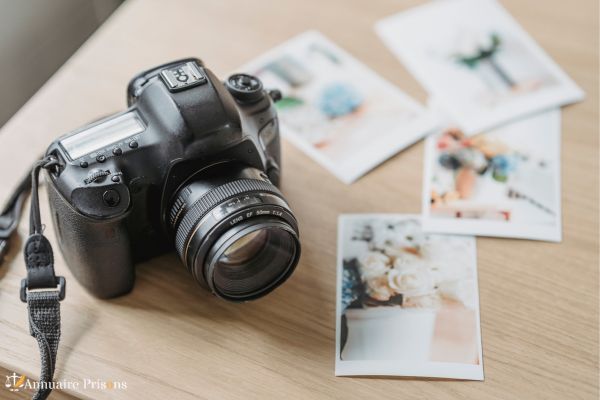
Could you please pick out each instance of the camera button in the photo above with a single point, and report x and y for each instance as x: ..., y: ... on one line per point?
x: 101, y: 158
x: 117, y: 151
x: 275, y: 95
x: 115, y: 178
x: 111, y: 198
x: 83, y: 164
x: 133, y: 144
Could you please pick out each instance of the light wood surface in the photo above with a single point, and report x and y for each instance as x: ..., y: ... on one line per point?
x: 169, y: 339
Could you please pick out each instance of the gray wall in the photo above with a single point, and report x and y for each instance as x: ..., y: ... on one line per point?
x: 36, y: 38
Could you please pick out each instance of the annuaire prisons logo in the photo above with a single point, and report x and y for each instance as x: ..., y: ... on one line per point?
x: 20, y: 383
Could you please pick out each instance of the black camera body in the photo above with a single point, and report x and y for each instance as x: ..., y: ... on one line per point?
x: 193, y: 163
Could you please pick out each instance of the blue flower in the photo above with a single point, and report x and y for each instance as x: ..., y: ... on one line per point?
x: 351, y: 284
x: 502, y: 165
x: 339, y: 99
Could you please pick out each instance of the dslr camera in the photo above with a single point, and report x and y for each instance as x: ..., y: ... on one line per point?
x: 193, y: 163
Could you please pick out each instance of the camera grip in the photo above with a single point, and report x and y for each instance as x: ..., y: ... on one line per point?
x: 96, y: 251
x: 273, y: 150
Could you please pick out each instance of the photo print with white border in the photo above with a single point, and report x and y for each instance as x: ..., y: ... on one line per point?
x: 407, y: 301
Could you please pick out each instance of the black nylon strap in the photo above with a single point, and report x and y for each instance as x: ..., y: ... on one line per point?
x: 42, y: 290
x: 9, y: 218
x: 35, y: 220
x: 44, y: 325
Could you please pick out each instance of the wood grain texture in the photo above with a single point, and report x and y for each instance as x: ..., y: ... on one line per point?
x: 169, y: 339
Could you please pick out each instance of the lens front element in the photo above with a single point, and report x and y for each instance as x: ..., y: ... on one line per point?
x: 244, y: 249
x: 251, y: 263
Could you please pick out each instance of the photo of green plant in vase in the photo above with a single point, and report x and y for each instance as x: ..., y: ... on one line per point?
x: 495, y: 60
x: 482, y: 51
x: 484, y: 70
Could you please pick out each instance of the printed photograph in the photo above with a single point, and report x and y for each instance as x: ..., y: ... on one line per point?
x: 485, y: 70
x: 337, y: 110
x: 503, y: 182
x: 407, y: 301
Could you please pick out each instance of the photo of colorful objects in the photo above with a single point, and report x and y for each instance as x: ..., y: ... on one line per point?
x: 503, y: 182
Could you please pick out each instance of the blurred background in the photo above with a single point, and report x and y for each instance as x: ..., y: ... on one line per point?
x: 36, y: 38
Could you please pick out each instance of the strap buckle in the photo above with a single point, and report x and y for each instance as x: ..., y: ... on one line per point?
x: 61, y: 284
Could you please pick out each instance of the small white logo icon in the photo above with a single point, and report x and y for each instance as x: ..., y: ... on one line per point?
x: 15, y: 382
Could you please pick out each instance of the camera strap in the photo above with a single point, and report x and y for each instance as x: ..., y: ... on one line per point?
x: 42, y: 290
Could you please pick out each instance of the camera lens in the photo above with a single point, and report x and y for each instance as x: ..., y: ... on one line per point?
x: 235, y: 232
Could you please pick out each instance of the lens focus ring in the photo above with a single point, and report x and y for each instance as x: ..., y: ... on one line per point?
x: 206, y: 203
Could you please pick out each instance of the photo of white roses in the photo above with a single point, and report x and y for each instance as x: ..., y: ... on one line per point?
x: 407, y: 301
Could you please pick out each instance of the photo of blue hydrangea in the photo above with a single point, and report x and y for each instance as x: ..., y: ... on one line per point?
x: 339, y: 99
x: 336, y: 109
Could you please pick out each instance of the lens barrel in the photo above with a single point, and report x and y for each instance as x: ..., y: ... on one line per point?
x: 235, y: 232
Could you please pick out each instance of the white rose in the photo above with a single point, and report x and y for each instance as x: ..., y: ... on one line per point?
x: 374, y: 264
x: 378, y: 288
x: 411, y: 281
x: 399, y: 250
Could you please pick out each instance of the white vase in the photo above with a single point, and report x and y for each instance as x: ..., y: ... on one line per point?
x: 389, y: 333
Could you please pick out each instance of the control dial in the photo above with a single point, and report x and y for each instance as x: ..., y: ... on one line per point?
x: 245, y: 88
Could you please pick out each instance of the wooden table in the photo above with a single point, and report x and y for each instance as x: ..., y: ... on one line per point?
x: 168, y: 339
